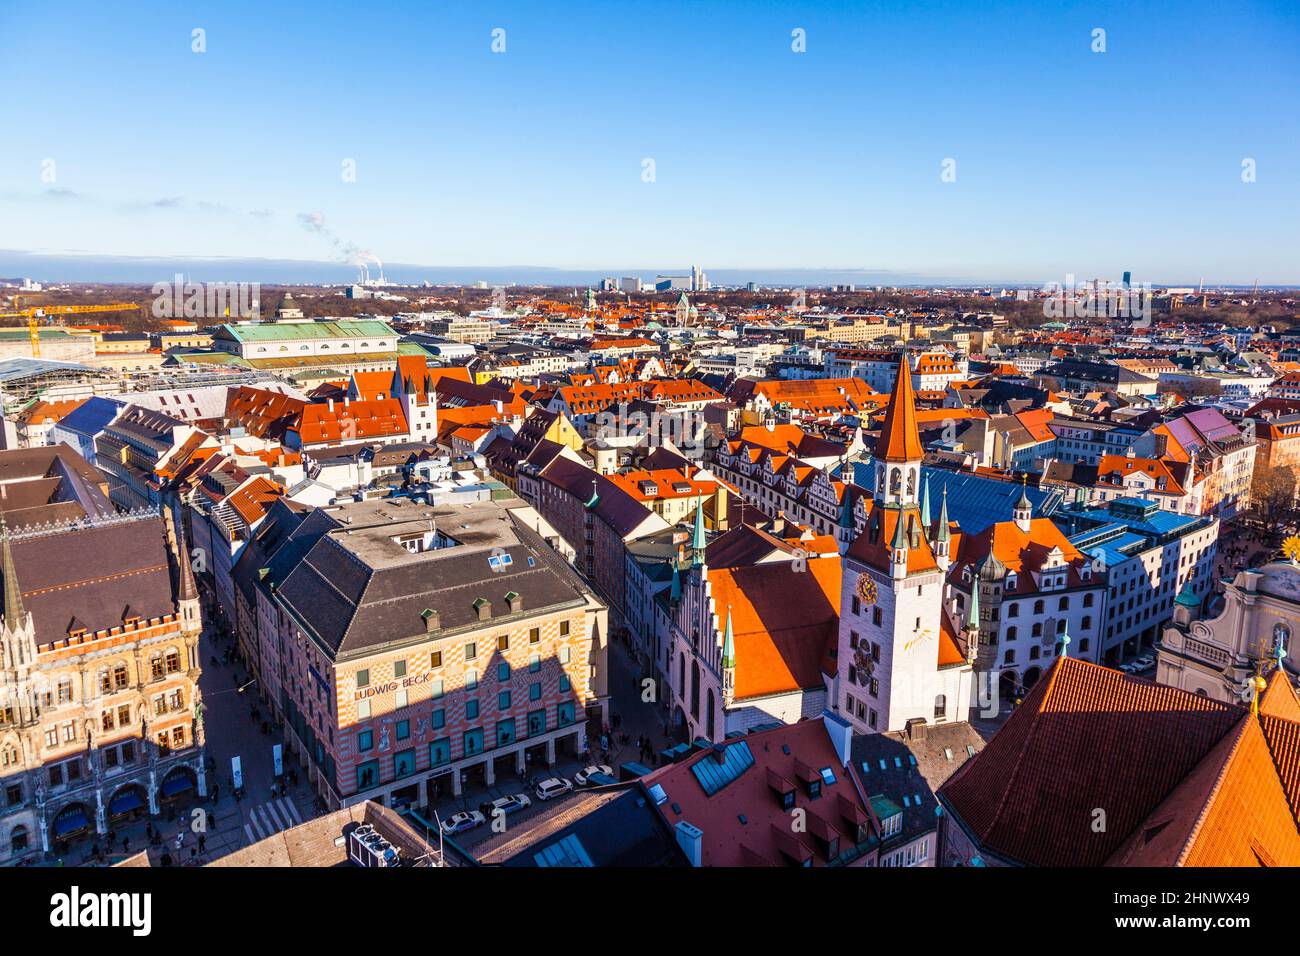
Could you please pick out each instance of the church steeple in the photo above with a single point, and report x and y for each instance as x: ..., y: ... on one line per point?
x: 925, y: 506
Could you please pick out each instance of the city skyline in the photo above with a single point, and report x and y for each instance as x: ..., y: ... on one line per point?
x: 940, y: 144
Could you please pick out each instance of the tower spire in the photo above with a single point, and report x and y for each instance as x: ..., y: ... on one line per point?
x: 698, y: 541
x: 925, y: 504
x: 899, y: 439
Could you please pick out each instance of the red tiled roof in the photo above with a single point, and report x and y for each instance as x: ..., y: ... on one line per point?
x: 1087, y: 737
x: 785, y: 622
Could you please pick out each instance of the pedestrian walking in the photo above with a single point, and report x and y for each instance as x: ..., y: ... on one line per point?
x: 203, y: 843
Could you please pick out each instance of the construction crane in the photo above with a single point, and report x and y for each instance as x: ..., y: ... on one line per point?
x: 34, y: 313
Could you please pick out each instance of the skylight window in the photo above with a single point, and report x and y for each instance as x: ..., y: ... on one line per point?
x: 907, y: 801
x: 898, y: 762
x: 947, y: 752
x: 883, y: 765
x: 828, y: 776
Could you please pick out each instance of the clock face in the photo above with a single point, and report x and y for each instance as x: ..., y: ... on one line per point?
x: 867, y: 589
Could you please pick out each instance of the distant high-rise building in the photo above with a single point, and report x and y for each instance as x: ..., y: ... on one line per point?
x: 1128, y: 279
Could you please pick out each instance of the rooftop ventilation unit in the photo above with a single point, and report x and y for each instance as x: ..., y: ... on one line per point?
x: 367, y: 848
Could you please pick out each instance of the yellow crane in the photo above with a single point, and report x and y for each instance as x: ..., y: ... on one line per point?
x: 34, y: 313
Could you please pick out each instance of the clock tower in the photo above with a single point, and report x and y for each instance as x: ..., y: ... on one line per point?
x: 899, y: 658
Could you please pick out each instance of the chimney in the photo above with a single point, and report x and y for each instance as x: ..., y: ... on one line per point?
x: 916, y: 729
x: 330, y: 405
x: 432, y: 620
x: 515, y: 601
x: 689, y: 838
x: 720, y: 753
x: 484, y: 608
x: 841, y: 735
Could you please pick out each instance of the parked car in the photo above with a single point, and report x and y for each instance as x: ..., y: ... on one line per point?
x: 1144, y: 662
x: 460, y: 822
x: 515, y: 801
x: 587, y: 773
x: 553, y: 787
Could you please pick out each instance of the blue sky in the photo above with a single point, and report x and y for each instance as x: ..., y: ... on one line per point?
x: 1067, y: 161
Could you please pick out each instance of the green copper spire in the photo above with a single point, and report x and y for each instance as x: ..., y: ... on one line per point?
x: 728, y: 644
x: 943, y: 534
x: 698, y: 542
x: 925, y: 503
x: 973, y: 616
x: 1065, y: 642
x: 846, y: 509
x: 900, y: 537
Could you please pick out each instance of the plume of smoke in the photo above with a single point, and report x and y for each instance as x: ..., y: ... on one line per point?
x: 349, y: 252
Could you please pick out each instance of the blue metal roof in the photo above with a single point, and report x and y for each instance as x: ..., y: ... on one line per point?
x: 714, y: 775
x: 92, y: 416
x: 975, y: 502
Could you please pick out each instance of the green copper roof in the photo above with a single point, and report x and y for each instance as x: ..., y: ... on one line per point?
x: 699, y: 541
x: 943, y: 533
x: 289, y: 331
x: 925, y: 504
x: 1187, y: 597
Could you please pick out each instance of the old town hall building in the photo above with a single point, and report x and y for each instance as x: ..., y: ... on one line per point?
x: 902, y: 656
x: 99, y: 706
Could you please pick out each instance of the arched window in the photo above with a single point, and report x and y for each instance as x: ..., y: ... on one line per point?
x: 709, y: 718
x: 1011, y: 634
x: 1087, y: 600
x: 18, y: 839
x: 895, y: 481
x: 695, y: 689
x: 1038, y: 607
x: 1064, y: 604
x: 1086, y: 623
x: 1281, y: 635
